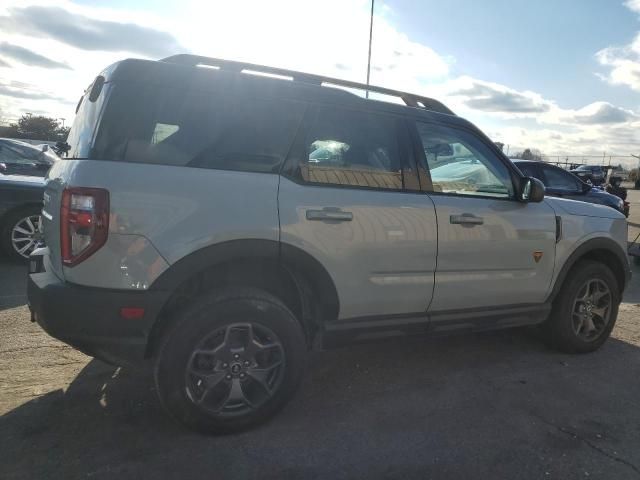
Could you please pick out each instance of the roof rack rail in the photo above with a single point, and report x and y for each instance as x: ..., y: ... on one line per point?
x: 409, y: 99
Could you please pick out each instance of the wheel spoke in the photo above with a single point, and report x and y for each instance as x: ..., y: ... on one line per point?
x: 235, y: 394
x: 600, y: 312
x: 210, y: 381
x: 256, y: 347
x: 32, y: 227
x: 599, y: 294
x: 261, y: 375
x: 585, y: 293
x: 580, y: 324
x: 24, y: 249
x: 22, y: 230
x: 21, y: 239
x: 589, y: 325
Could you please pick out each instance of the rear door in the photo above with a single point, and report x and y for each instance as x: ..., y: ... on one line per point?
x: 493, y: 251
x: 350, y: 198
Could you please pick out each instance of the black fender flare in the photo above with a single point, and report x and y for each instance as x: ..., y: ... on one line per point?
x: 293, y: 259
x: 593, y: 245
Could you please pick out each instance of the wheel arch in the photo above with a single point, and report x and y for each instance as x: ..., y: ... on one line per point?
x: 289, y: 273
x: 603, y: 250
x: 17, y: 207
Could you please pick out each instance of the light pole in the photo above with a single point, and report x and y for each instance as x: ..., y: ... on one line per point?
x: 63, y: 119
x: 369, y: 57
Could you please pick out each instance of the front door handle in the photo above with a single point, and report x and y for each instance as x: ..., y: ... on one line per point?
x: 466, y: 219
x: 330, y: 214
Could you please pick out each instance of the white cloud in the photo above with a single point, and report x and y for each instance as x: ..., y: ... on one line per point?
x: 623, y: 64
x: 633, y: 5
x: 331, y: 40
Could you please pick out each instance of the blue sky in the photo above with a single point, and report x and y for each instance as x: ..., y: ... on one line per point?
x: 546, y: 46
x: 562, y: 76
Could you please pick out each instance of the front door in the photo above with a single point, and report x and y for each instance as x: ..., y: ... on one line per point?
x: 493, y: 251
x: 350, y: 198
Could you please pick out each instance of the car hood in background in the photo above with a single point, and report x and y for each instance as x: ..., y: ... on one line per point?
x: 584, y: 209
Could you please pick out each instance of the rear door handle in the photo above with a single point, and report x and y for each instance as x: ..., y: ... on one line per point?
x: 330, y: 214
x: 466, y: 219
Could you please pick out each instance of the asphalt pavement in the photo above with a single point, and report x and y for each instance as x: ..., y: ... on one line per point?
x: 491, y: 405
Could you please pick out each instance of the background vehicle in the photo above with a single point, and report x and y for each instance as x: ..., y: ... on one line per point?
x: 590, y: 173
x: 194, y: 225
x: 560, y: 183
x: 20, y: 158
x: 20, y: 206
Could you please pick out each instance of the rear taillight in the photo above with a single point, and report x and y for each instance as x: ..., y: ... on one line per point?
x: 84, y: 223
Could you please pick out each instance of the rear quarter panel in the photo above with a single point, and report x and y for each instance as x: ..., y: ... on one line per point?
x: 159, y: 214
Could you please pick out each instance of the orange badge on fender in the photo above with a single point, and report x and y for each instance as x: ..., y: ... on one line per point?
x: 537, y: 256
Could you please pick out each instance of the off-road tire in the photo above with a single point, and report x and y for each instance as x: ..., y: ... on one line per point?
x: 206, y: 316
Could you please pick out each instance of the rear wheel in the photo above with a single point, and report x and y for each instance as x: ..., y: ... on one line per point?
x: 20, y: 233
x: 231, y: 361
x: 585, y: 310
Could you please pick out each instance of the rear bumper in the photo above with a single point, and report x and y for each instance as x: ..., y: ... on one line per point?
x: 88, y: 318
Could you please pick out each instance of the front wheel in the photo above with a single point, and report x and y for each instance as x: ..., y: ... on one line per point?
x: 585, y: 310
x: 231, y: 362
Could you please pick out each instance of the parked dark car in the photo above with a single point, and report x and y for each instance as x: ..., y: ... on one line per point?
x: 590, y: 173
x: 20, y: 207
x: 561, y: 183
x: 21, y: 158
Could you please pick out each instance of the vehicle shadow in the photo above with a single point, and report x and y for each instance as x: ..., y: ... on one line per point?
x: 493, y: 405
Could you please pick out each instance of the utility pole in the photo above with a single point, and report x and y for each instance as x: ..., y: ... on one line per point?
x: 369, y: 57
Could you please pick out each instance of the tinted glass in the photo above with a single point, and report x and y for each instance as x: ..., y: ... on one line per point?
x: 359, y: 149
x: 529, y: 170
x: 460, y: 163
x: 558, y: 179
x: 81, y: 135
x: 197, y: 129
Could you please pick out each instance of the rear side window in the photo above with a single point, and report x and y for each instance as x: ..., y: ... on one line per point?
x: 197, y: 129
x: 350, y: 148
x: 84, y: 125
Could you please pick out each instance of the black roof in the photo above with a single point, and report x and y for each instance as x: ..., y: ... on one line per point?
x: 203, y: 73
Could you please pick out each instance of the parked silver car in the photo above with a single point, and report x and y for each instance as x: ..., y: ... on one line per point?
x: 219, y: 224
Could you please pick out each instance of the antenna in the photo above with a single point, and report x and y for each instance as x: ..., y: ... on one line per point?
x: 369, y: 58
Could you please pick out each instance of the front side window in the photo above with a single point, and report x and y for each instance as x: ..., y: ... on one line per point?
x: 462, y: 164
x: 351, y: 148
x: 560, y: 180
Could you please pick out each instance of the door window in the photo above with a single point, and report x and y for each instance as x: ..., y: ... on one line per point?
x: 462, y: 164
x: 351, y: 148
x: 530, y: 170
x: 558, y: 179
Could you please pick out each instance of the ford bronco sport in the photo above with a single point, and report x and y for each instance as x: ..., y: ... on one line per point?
x: 218, y: 219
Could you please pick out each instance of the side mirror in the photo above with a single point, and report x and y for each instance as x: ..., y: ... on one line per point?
x: 45, y: 147
x: 531, y: 190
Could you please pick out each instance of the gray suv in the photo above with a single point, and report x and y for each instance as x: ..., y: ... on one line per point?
x: 217, y: 220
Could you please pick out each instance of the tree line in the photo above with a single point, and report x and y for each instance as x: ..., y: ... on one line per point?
x: 36, y: 127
